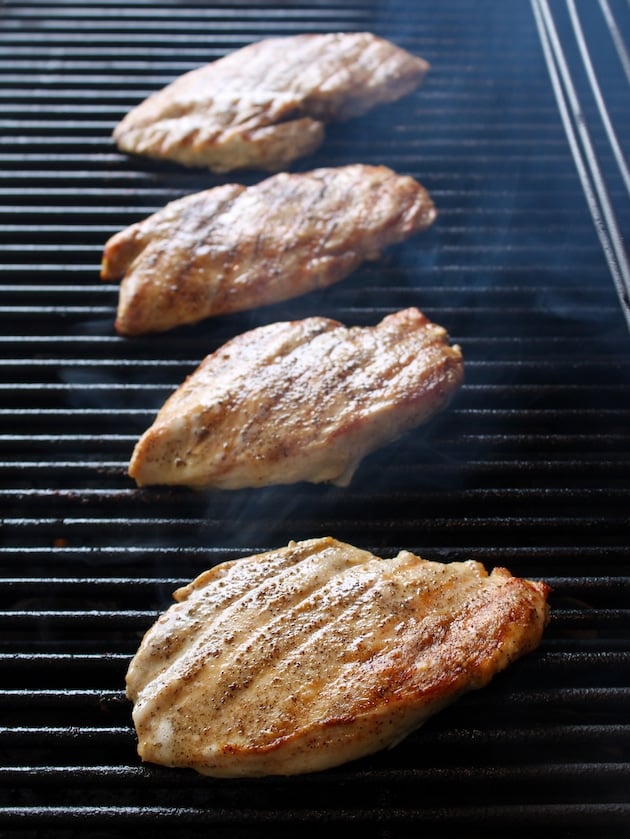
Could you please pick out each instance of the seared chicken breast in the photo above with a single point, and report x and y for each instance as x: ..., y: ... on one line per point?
x: 299, y: 401
x: 318, y: 653
x: 233, y: 248
x: 268, y: 103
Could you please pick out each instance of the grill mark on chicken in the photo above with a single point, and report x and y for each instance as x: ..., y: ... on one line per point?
x: 312, y: 630
x: 330, y: 653
x: 150, y: 242
x: 299, y: 401
x: 233, y: 248
x: 265, y: 599
x: 267, y: 104
x: 230, y: 581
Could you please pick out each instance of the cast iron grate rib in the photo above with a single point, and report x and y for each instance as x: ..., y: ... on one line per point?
x: 527, y: 469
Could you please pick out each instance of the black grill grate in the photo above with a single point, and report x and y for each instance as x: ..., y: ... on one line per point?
x: 529, y: 468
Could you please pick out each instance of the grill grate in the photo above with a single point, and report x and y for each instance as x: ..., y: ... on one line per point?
x: 528, y: 468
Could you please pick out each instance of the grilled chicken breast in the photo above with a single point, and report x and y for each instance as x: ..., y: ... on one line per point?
x: 299, y: 401
x: 318, y: 653
x: 267, y: 104
x: 233, y: 248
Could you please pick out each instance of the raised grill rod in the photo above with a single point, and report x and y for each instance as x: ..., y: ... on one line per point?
x: 580, y: 141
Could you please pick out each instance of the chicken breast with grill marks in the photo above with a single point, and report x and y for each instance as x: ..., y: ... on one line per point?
x: 268, y: 103
x: 318, y: 653
x: 299, y: 401
x: 233, y: 248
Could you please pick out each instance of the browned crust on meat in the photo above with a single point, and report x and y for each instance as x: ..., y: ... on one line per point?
x: 299, y: 401
x: 318, y: 653
x: 266, y: 104
x: 233, y: 248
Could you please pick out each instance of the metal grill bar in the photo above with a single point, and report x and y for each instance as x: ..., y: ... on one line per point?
x: 527, y: 469
x: 582, y: 147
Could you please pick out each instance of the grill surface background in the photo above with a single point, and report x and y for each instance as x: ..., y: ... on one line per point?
x: 528, y: 468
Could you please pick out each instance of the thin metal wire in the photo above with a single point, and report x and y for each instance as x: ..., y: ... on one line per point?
x: 593, y: 183
x: 615, y: 34
x: 597, y: 93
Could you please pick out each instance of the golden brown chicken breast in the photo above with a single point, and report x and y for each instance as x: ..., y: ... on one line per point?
x: 233, y: 248
x: 267, y: 104
x: 308, y: 656
x: 299, y: 401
